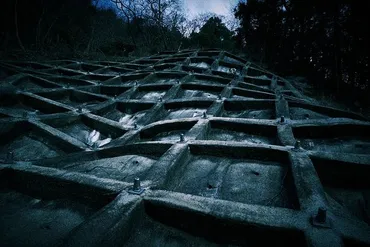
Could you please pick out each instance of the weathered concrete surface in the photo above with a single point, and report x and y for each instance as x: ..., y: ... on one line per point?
x: 227, y: 154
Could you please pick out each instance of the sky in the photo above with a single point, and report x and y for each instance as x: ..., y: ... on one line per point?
x: 219, y: 7
x: 195, y: 7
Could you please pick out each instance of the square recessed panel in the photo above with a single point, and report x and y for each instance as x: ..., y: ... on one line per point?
x: 246, y: 133
x: 167, y: 131
x: 234, y: 60
x: 37, y: 214
x: 347, y: 188
x: 26, y: 143
x: 204, y: 92
x: 112, y: 90
x: 124, y: 168
x: 337, y: 138
x: 29, y: 147
x: 85, y: 134
x: 250, y: 113
x: 87, y: 130
x: 126, y: 113
x: 186, y: 109
x: 251, y: 94
x: 75, y: 98
x: 264, y: 83
x: 249, y: 109
x: 297, y: 113
x: 228, y: 69
x: 25, y: 105
x: 188, y: 112
x: 258, y: 73
x: 238, y: 136
x: 239, y: 180
x: 30, y: 82
x: 38, y: 222
x: 124, y: 118
x: 172, y: 135
x: 154, y: 95
x: 189, y: 93
x: 200, y: 64
x: 163, y: 225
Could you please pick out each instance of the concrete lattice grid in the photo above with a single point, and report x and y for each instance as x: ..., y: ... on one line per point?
x: 227, y: 154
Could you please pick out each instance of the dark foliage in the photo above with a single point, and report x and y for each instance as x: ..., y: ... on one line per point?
x: 72, y: 28
x: 44, y: 23
x: 325, y: 41
x: 213, y: 34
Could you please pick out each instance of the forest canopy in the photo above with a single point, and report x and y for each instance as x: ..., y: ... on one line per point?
x: 324, y: 41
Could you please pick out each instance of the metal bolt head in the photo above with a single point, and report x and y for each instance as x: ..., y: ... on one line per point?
x: 297, y: 145
x: 136, y: 188
x: 10, y: 157
x: 182, y: 138
x: 282, y: 119
x: 219, y: 96
x: 204, y: 115
x: 320, y: 218
x: 137, y: 185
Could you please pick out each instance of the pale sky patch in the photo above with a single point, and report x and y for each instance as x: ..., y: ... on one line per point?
x: 219, y: 7
x: 193, y: 8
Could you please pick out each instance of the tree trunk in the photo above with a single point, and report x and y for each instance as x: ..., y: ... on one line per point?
x: 16, y: 26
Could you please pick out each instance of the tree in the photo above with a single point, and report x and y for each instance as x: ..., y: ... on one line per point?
x: 154, y: 21
x: 325, y: 42
x: 213, y: 34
